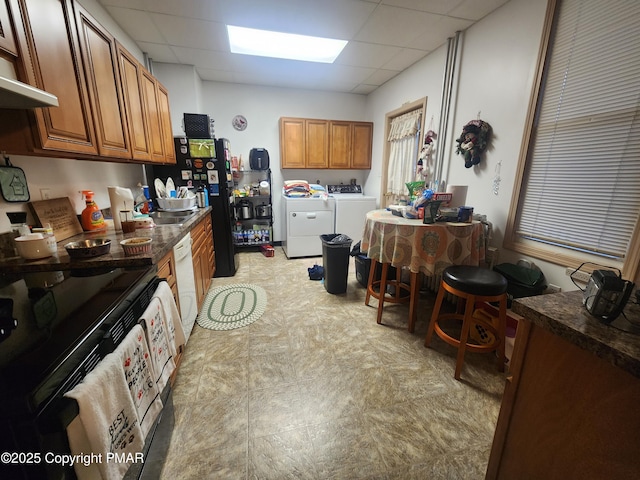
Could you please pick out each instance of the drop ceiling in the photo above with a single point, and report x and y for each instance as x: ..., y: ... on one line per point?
x: 385, y: 36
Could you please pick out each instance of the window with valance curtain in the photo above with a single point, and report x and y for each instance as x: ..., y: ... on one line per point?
x: 403, y: 141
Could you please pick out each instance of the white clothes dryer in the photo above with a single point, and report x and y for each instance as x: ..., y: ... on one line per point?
x: 351, y: 209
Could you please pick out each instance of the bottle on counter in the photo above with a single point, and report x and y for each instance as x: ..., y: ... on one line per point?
x: 91, y: 218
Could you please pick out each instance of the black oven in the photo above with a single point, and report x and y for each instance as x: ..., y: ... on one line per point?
x: 54, y: 329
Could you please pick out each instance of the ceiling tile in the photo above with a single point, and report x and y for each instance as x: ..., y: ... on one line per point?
x: 386, y: 36
x: 194, y: 33
x: 442, y: 7
x: 137, y: 24
x: 159, y: 52
x: 364, y: 89
x: 404, y: 59
x: 214, y: 75
x: 361, y: 54
x: 474, y: 10
x: 396, y: 26
x: 438, y: 33
x: 203, y: 58
x: 380, y: 76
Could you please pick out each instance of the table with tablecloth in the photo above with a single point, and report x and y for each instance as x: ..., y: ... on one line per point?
x: 422, y: 248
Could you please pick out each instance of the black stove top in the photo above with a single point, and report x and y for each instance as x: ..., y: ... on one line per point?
x: 53, y: 314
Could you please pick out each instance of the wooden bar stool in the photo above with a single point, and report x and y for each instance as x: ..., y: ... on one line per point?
x: 471, y: 284
x: 378, y: 289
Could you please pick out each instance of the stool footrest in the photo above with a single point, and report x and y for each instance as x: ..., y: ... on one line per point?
x: 472, y: 347
x: 397, y: 297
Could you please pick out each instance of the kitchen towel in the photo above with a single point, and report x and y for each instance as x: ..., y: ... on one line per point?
x: 109, y: 417
x: 175, y: 331
x: 121, y: 199
x: 158, y: 340
x: 138, y: 371
x: 79, y: 443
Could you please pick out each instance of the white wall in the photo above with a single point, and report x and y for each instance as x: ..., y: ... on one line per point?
x: 185, y: 89
x: 263, y: 106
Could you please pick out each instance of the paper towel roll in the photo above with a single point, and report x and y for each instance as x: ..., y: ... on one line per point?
x: 121, y: 198
x: 459, y: 195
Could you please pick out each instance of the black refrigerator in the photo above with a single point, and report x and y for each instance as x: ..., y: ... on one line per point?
x: 209, y: 170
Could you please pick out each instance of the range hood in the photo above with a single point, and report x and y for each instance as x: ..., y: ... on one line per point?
x: 16, y: 94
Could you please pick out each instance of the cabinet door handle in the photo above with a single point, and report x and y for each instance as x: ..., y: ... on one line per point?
x: 311, y: 215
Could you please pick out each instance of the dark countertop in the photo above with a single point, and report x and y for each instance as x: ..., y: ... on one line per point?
x: 564, y: 315
x: 164, y: 239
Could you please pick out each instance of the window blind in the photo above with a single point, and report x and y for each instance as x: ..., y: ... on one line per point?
x: 582, y: 183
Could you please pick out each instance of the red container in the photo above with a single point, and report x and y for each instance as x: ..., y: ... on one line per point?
x: 267, y: 250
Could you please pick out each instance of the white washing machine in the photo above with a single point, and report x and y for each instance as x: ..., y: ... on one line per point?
x: 351, y: 209
x: 305, y: 220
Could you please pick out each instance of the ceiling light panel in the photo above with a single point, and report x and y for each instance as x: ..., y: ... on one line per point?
x: 264, y: 43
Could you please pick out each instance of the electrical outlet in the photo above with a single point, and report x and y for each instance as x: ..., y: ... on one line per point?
x: 551, y: 288
x: 45, y: 193
x: 579, y: 276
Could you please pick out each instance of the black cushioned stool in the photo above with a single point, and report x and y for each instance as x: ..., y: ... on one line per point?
x: 472, y: 284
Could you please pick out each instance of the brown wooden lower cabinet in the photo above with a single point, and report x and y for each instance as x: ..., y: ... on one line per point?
x: 167, y: 270
x: 566, y: 414
x: 203, y: 257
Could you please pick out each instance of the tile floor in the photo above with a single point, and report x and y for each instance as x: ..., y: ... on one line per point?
x: 315, y: 389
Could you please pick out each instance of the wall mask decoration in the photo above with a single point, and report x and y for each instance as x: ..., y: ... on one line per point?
x: 473, y: 141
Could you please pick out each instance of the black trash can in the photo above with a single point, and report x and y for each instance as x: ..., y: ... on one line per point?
x: 335, y: 259
x: 363, y: 267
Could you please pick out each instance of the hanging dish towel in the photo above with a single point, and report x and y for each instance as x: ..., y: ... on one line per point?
x: 79, y: 442
x: 158, y: 340
x: 138, y: 371
x: 172, y: 317
x: 108, y: 416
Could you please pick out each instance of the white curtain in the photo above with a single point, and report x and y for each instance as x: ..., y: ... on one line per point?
x: 403, y: 141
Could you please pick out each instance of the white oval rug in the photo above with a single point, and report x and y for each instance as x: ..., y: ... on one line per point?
x: 232, y: 306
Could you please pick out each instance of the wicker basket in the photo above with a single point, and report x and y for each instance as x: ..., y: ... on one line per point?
x: 136, y: 246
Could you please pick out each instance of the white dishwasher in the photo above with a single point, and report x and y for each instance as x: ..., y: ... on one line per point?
x: 185, y: 280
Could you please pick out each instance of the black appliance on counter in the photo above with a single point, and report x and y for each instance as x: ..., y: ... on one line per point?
x: 259, y: 159
x: 62, y: 324
x: 213, y: 174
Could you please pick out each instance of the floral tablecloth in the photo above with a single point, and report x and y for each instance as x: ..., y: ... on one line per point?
x: 426, y: 248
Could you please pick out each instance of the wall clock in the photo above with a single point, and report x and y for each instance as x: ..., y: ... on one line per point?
x: 239, y: 122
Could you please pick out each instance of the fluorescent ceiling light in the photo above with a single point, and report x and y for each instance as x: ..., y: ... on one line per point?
x: 249, y: 41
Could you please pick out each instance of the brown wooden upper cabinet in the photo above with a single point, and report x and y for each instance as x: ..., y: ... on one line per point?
x: 102, y: 115
x: 7, y: 40
x: 131, y: 78
x: 165, y: 123
x: 315, y: 143
x: 99, y: 53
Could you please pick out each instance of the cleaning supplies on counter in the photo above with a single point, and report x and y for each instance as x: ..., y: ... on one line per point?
x: 91, y: 218
x: 121, y: 199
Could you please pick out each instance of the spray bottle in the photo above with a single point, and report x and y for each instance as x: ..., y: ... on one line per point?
x: 91, y: 218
